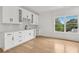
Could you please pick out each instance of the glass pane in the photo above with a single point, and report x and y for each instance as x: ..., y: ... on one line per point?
x: 59, y: 23
x: 71, y: 24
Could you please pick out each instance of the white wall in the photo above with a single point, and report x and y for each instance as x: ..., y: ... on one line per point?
x: 46, y: 23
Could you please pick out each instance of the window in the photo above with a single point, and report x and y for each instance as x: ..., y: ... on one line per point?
x: 59, y: 23
x: 66, y: 24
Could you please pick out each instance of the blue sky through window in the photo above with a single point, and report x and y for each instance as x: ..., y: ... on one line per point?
x: 62, y: 19
x: 68, y: 18
x: 71, y: 17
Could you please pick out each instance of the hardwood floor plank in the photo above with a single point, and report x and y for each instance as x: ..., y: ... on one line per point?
x: 59, y: 46
x: 71, y: 47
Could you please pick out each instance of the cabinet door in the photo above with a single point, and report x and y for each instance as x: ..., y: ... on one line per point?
x: 31, y: 34
x: 34, y: 33
x: 10, y: 14
x: 29, y: 15
x: 35, y: 19
x: 19, y: 37
x: 9, y: 41
x: 27, y: 37
x: 24, y: 14
x: 22, y: 36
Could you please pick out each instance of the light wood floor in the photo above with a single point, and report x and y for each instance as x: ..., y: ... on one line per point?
x: 46, y: 45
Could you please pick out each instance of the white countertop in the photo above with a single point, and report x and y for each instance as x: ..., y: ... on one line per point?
x: 16, y: 30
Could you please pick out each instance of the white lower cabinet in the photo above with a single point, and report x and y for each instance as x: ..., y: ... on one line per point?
x: 9, y: 41
x: 18, y: 37
x: 31, y: 34
x: 12, y: 39
x: 27, y: 37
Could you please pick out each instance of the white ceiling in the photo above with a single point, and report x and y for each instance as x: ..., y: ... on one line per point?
x: 40, y: 9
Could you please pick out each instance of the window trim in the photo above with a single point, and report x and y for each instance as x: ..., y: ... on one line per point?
x: 65, y: 25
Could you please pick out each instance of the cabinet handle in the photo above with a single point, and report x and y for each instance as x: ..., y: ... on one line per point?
x: 20, y: 32
x: 32, y: 19
x: 12, y: 38
x: 20, y: 40
x: 20, y: 36
x: 29, y: 33
x: 11, y: 19
x: 23, y: 18
x: 9, y: 34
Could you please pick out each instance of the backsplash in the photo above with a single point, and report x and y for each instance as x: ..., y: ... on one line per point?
x: 10, y: 27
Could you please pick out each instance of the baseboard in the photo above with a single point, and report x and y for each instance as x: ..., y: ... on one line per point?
x: 1, y: 50
x: 57, y: 38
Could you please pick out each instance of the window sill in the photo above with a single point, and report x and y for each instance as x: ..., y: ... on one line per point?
x: 66, y: 32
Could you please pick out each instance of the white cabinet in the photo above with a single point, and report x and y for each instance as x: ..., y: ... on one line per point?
x: 27, y: 37
x: 16, y: 15
x: 34, y: 33
x: 10, y: 14
x: 29, y: 15
x: 34, y: 19
x: 19, y: 37
x: 31, y: 34
x: 13, y: 39
x: 9, y: 40
x: 24, y: 14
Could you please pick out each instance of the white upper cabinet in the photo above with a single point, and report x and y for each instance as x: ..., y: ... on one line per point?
x: 16, y: 15
x: 37, y: 19
x: 34, y: 19
x: 10, y: 14
x: 29, y: 15
x: 24, y: 14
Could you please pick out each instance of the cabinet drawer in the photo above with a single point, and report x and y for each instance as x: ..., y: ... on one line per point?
x: 19, y: 36
x: 8, y: 35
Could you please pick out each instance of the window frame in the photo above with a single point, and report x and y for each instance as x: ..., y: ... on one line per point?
x: 65, y: 25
